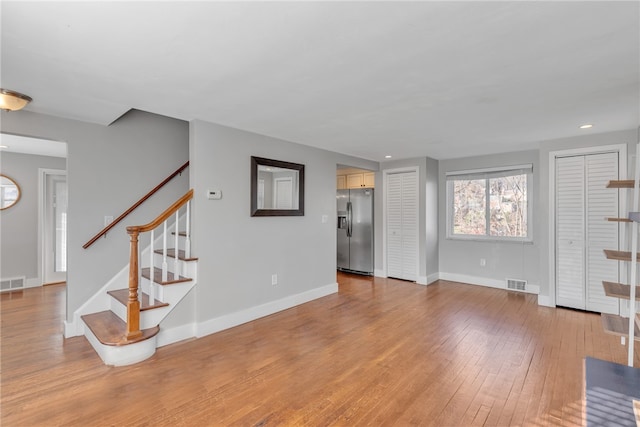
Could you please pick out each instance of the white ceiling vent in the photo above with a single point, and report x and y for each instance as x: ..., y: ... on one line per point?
x: 516, y: 285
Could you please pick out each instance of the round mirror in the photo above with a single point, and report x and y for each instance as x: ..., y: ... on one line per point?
x: 9, y: 192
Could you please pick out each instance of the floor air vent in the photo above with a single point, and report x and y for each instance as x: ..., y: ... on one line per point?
x: 12, y: 283
x: 516, y: 284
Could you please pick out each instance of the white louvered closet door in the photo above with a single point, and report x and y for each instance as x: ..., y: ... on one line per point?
x: 582, y: 204
x: 601, y: 203
x: 402, y: 225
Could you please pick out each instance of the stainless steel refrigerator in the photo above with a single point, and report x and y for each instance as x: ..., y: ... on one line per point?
x: 355, y: 230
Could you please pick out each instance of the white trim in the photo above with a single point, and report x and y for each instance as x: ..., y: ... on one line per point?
x: 433, y: 278
x: 122, y: 355
x: 621, y: 149
x: 485, y: 281
x: 42, y: 176
x: 449, y: 198
x: 173, y: 335
x: 422, y: 280
x: 545, y: 301
x: 385, y: 176
x: 34, y: 282
x: 247, y: 315
x: 488, y: 170
x: 379, y: 273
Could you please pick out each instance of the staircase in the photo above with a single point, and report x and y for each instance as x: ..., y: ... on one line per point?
x: 126, y: 332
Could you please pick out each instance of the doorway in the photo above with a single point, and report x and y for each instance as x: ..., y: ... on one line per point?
x: 53, y: 225
x: 579, y: 204
x: 401, y: 224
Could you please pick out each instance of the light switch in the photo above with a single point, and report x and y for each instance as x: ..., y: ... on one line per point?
x: 325, y: 219
x: 214, y: 194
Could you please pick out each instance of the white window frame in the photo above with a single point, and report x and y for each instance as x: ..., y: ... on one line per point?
x: 487, y: 174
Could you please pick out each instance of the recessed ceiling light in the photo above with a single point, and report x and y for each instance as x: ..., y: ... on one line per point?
x: 387, y: 157
x: 4, y: 146
x: 587, y: 126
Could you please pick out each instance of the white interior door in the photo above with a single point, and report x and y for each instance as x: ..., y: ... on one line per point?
x: 402, y: 225
x: 54, y: 237
x: 601, y: 203
x: 582, y: 233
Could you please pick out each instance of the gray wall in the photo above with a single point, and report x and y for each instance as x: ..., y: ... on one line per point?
x: 239, y: 253
x: 109, y: 168
x: 629, y: 137
x: 503, y: 259
x: 19, y: 223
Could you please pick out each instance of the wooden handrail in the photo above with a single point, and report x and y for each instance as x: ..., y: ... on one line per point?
x: 133, y: 303
x: 163, y: 216
x: 134, y: 206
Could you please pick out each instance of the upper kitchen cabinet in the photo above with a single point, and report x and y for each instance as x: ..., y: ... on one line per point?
x: 355, y: 180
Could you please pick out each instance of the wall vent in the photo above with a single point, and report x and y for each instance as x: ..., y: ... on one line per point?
x: 12, y: 283
x: 516, y: 284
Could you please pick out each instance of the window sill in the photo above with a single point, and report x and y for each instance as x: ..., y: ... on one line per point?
x: 489, y: 240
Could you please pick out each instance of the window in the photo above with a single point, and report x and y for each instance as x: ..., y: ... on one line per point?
x: 489, y: 204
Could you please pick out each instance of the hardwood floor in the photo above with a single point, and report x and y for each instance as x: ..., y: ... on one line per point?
x: 380, y: 352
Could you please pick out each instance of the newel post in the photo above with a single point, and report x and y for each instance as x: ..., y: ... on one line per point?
x: 133, y: 305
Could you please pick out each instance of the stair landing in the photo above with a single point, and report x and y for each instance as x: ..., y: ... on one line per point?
x: 109, y: 329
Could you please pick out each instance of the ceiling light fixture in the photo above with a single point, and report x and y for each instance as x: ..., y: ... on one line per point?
x: 587, y: 126
x: 4, y: 146
x: 13, y: 101
x: 387, y: 156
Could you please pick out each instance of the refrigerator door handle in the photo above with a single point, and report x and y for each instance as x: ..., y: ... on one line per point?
x: 349, y: 219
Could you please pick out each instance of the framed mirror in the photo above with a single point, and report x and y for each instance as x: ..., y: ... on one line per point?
x: 9, y: 192
x: 277, y: 188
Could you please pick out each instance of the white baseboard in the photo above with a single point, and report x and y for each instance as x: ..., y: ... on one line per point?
x: 545, y: 300
x: 173, y: 335
x: 379, y: 273
x: 34, y: 282
x: 238, y: 318
x: 422, y: 280
x: 432, y: 278
x: 485, y: 281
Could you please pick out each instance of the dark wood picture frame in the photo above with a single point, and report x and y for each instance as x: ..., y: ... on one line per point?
x: 261, y: 161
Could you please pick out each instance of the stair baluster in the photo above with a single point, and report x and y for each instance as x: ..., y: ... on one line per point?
x: 152, y: 294
x: 164, y: 253
x: 176, y: 270
x: 187, y: 241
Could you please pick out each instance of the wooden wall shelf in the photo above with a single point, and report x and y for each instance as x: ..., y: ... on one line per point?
x: 626, y: 183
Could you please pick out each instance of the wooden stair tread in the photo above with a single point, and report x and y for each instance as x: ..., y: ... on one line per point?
x: 181, y: 233
x: 157, y: 276
x: 620, y: 255
x: 109, y: 329
x: 172, y: 253
x: 625, y: 183
x: 619, y: 290
x: 122, y: 296
x: 618, y: 325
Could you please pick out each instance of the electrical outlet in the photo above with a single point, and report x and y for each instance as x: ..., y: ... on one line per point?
x: 274, y: 279
x: 483, y: 262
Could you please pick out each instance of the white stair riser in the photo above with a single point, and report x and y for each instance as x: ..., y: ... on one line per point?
x: 171, y: 294
x: 183, y: 266
x: 125, y: 354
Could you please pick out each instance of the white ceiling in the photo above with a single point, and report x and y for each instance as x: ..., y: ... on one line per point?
x: 441, y: 79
